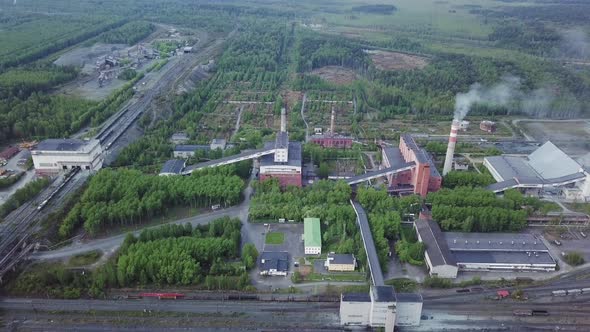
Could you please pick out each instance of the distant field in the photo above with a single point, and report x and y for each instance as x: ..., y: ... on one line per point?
x: 450, y: 18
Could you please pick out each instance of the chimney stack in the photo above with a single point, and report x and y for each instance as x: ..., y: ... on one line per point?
x: 283, y: 120
x: 332, y: 120
x: 451, y: 147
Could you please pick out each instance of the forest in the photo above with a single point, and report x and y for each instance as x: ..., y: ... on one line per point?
x: 203, y: 257
x: 123, y: 197
x: 469, y: 209
x: 385, y: 216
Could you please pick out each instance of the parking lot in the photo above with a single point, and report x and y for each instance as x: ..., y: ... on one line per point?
x: 293, y: 244
x: 13, y: 167
x: 569, y: 239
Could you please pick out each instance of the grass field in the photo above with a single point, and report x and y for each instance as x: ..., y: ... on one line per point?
x: 274, y: 238
x: 85, y: 259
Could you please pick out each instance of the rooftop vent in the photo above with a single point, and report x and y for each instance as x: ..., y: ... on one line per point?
x: 455, y: 241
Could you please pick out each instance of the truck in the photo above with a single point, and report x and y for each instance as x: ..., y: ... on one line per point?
x: 574, y: 291
x: 522, y: 312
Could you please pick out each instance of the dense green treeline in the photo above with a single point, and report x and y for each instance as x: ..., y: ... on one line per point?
x: 479, y: 210
x: 123, y: 197
x: 130, y: 33
x: 315, y: 51
x: 22, y: 82
x: 37, y: 36
x: 467, y: 179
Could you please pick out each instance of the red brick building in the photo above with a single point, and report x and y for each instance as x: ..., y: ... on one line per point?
x: 332, y: 141
x: 422, y: 179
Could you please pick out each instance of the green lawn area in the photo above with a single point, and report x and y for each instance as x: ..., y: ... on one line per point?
x: 85, y: 259
x: 340, y: 276
x: 275, y: 238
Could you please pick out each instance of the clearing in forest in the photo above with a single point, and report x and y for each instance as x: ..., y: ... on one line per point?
x: 335, y: 74
x: 384, y: 60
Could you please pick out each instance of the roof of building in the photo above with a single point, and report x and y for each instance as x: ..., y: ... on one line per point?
x: 433, y: 171
x: 411, y: 144
x: 383, y: 293
x: 341, y: 258
x: 282, y: 140
x: 173, y: 166
x: 64, y: 144
x: 394, y: 156
x: 409, y: 297
x: 503, y: 257
x: 523, y: 242
x: 274, y: 260
x: 191, y: 148
x: 312, y: 233
x: 544, y: 166
x: 294, y: 158
x: 436, y: 246
x: 549, y: 161
x: 356, y: 297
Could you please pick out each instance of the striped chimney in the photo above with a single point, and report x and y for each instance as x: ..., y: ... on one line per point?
x: 451, y: 147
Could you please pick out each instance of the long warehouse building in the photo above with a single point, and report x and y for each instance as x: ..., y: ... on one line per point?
x: 52, y: 156
x: 447, y: 253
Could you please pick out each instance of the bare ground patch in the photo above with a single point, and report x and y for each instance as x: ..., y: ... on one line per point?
x: 335, y: 74
x: 397, y: 61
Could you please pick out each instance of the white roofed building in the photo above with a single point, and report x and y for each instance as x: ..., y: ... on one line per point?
x: 547, y: 168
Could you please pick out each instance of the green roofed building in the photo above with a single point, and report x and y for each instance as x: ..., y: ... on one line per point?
x: 312, y: 236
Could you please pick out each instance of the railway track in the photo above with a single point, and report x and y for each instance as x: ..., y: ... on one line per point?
x: 20, y: 225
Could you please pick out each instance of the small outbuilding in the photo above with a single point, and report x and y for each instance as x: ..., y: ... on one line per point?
x: 274, y: 263
x: 340, y: 262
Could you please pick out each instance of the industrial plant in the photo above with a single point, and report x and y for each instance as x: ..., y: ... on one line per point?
x: 52, y: 156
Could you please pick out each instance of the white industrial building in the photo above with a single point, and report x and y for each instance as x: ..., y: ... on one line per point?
x: 438, y: 258
x: 449, y: 252
x: 52, y: 156
x: 547, y: 168
x: 382, y: 307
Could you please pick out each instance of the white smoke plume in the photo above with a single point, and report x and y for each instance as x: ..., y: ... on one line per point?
x: 500, y: 94
x: 508, y: 93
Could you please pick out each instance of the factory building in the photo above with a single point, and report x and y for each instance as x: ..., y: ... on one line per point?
x: 450, y: 252
x: 312, y: 236
x: 187, y: 151
x: 331, y: 139
x: 547, y: 168
x: 382, y: 307
x: 422, y: 179
x: 52, y: 156
x: 286, y: 162
x: 439, y: 260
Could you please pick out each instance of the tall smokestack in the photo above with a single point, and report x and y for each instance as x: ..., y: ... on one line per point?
x: 451, y: 147
x: 283, y: 120
x: 332, y: 121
